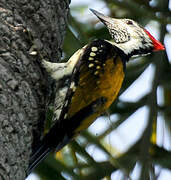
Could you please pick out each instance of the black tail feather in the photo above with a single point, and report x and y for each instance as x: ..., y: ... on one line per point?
x: 61, y: 133
x: 38, y: 156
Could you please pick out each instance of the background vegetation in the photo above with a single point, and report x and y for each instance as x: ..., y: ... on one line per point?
x: 147, y: 157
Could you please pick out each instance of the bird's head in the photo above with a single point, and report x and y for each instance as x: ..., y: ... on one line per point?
x: 129, y: 36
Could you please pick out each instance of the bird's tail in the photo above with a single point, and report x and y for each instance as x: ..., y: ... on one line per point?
x: 54, y: 140
x: 61, y: 133
x: 38, y: 156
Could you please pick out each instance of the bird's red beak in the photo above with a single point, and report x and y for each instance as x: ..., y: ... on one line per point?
x: 157, y: 45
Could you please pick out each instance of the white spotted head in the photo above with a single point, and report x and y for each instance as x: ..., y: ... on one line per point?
x: 129, y: 36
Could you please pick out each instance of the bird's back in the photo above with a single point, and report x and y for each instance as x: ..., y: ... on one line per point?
x: 97, y: 77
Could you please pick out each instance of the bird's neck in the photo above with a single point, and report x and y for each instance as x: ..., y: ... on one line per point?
x: 133, y: 48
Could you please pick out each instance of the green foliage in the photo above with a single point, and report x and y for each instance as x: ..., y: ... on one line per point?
x: 77, y: 162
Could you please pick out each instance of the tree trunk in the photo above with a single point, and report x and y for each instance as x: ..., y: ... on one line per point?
x: 23, y: 83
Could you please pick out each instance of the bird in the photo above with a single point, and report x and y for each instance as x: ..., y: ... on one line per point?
x: 89, y: 82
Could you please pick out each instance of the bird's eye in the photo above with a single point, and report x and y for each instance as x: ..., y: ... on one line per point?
x: 129, y: 22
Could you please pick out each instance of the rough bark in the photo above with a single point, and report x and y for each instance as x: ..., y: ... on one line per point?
x: 23, y: 84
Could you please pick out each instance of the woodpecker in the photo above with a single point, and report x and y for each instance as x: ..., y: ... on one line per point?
x: 90, y: 81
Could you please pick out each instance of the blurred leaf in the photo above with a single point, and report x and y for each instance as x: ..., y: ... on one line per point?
x: 105, y: 169
x: 161, y: 156
x: 134, y: 71
x: 79, y: 8
x: 52, y: 168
